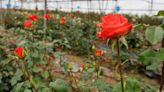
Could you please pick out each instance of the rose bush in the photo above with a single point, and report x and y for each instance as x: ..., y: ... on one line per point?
x: 48, y: 66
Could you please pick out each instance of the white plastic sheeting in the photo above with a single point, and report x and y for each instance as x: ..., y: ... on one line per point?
x: 126, y: 6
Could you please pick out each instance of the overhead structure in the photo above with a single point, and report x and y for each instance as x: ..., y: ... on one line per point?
x: 102, y: 6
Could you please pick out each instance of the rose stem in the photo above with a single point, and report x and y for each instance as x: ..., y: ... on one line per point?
x: 29, y: 75
x: 76, y: 84
x: 162, y: 77
x: 96, y: 68
x: 120, y: 65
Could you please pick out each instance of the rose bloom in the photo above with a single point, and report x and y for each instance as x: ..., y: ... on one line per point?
x: 62, y: 20
x: 99, y: 34
x: 113, y: 26
x: 19, y: 52
x: 47, y: 16
x: 99, y: 52
x: 28, y: 23
x: 82, y: 66
x: 33, y: 17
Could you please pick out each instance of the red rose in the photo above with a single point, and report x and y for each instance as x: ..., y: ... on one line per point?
x: 82, y: 66
x: 62, y: 20
x: 33, y: 17
x: 20, y: 52
x: 114, y: 25
x: 99, y: 52
x: 28, y: 23
x: 47, y: 16
x: 99, y: 34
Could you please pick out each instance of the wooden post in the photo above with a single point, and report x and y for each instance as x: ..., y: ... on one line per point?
x: 151, y: 7
x: 36, y: 7
x: 21, y: 4
x: 71, y: 6
x: 45, y: 11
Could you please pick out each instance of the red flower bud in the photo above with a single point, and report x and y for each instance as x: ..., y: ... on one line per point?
x: 47, y: 16
x: 99, y: 52
x: 82, y: 66
x: 33, y: 17
x: 99, y: 34
x: 19, y: 52
x: 28, y: 23
x: 62, y: 20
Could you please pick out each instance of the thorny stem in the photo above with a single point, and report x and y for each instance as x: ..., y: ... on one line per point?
x: 97, y: 69
x: 70, y: 77
x: 71, y: 82
x: 162, y: 77
x: 51, y: 78
x: 76, y: 83
x: 60, y: 57
x: 120, y: 65
x: 28, y: 75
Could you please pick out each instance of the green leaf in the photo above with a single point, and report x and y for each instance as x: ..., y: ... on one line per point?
x: 37, y: 69
x: 123, y: 40
x: 84, y: 87
x: 1, y: 78
x: 27, y: 84
x: 91, y: 70
x: 154, y: 65
x: 150, y: 59
x: 117, y: 87
x: 102, y: 86
x: 45, y: 74
x: 147, y: 56
x: 28, y: 90
x: 154, y: 34
x: 46, y: 89
x: 132, y: 85
x: 160, y: 55
x: 137, y: 27
x: 59, y: 86
x: 160, y: 13
x: 16, y: 77
x: 18, y: 87
x: 113, y: 44
x: 149, y: 88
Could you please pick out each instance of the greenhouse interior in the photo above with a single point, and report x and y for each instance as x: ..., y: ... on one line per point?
x: 81, y: 45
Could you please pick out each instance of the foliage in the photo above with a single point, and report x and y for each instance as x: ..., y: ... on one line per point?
x: 45, y: 60
x: 131, y: 85
x: 152, y: 57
